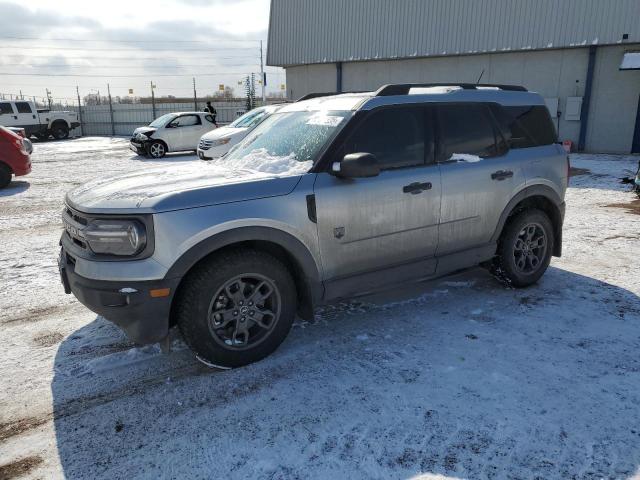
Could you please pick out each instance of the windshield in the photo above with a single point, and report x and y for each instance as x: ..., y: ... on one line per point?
x: 249, y: 119
x: 286, y: 143
x: 162, y: 121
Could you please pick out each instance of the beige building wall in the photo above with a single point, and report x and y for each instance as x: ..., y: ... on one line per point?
x: 552, y: 73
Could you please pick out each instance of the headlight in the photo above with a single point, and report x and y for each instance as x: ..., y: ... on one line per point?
x: 115, y: 237
x: 221, y: 141
x: 143, y: 136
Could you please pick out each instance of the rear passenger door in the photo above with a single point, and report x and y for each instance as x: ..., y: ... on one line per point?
x: 26, y: 116
x: 479, y: 176
x: 388, y: 223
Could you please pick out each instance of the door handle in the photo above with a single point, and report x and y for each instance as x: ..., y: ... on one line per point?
x: 501, y: 175
x: 15, y: 117
x: 415, y: 188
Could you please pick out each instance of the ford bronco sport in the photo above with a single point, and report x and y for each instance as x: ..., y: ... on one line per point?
x: 330, y: 197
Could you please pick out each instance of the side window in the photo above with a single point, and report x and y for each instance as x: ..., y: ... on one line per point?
x: 396, y: 136
x: 187, y: 121
x: 466, y: 129
x: 5, y: 107
x: 527, y: 125
x: 23, y: 107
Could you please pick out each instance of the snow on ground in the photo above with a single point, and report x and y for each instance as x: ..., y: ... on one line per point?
x: 456, y: 378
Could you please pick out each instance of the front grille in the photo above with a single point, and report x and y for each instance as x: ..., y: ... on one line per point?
x: 73, y: 223
x: 205, y: 144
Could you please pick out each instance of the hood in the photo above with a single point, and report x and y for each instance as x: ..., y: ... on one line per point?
x: 144, y: 130
x: 223, y: 132
x: 176, y: 187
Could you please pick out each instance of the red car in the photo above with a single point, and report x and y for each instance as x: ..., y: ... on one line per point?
x: 14, y: 158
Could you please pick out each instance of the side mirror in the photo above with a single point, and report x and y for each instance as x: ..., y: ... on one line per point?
x: 356, y: 165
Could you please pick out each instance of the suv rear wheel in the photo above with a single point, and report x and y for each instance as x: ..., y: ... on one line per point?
x: 525, y: 248
x: 236, y: 308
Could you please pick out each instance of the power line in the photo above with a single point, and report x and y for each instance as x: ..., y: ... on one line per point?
x: 126, y: 41
x: 128, y: 58
x: 44, y: 47
x: 126, y: 66
x: 122, y: 76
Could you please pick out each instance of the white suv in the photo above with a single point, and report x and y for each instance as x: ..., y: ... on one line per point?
x: 173, y: 132
x: 218, y: 142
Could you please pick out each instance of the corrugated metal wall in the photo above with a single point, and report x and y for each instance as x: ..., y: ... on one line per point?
x: 322, y: 31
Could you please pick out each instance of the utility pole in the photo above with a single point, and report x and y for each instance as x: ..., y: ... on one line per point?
x: 263, y: 77
x: 113, y: 126
x: 21, y: 96
x: 153, y: 101
x: 79, y: 111
x: 195, y: 96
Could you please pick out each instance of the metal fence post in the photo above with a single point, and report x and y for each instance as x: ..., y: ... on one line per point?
x: 195, y: 97
x: 79, y: 112
x: 113, y: 127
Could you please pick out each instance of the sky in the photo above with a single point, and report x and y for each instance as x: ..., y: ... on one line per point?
x: 87, y: 43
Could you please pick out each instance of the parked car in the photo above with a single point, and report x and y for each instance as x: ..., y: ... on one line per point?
x: 28, y: 146
x: 14, y: 158
x: 328, y: 198
x: 173, y: 132
x: 42, y: 123
x: 219, y: 141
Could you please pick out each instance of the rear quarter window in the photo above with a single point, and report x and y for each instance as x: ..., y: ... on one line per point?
x: 526, y: 126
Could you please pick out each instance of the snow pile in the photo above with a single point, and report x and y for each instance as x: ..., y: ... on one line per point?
x: 465, y: 157
x: 260, y: 160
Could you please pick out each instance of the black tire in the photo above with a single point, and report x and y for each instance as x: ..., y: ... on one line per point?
x: 525, y: 248
x: 5, y: 175
x: 60, y: 131
x: 157, y: 149
x: 218, y: 339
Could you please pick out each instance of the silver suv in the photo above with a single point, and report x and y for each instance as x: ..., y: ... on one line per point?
x: 331, y: 197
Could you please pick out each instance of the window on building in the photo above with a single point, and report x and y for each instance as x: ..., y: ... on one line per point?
x: 466, y: 129
x: 5, y: 108
x: 23, y: 107
x: 528, y: 126
x: 396, y: 136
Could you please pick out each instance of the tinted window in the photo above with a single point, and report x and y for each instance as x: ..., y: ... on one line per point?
x: 5, y: 107
x: 526, y: 126
x: 396, y: 136
x: 466, y: 129
x: 23, y: 107
x: 187, y: 121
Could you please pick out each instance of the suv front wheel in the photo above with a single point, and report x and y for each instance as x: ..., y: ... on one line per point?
x: 236, y: 308
x: 525, y: 248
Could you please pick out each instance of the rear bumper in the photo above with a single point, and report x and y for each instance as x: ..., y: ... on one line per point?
x: 129, y: 305
x: 75, y: 125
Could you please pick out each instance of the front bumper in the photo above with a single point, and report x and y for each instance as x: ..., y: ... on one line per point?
x: 145, y: 319
x: 139, y: 147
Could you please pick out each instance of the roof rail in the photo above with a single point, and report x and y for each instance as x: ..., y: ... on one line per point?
x: 403, y: 88
x: 309, y: 96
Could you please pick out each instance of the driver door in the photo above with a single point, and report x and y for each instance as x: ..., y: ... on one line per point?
x: 382, y: 230
x: 8, y: 117
x: 187, y: 132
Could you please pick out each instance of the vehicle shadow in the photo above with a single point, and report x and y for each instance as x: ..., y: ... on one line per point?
x: 169, y: 157
x: 458, y: 377
x: 14, y: 188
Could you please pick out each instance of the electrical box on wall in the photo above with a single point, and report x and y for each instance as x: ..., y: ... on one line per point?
x: 574, y: 107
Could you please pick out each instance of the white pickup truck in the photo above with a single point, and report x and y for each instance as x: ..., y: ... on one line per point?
x: 41, y: 123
